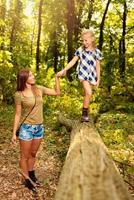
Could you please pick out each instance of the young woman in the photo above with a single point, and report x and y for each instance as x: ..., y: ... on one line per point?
x: 29, y: 106
x: 88, y: 70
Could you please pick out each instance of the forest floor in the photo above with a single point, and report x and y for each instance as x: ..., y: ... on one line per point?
x: 11, y: 186
x: 49, y: 163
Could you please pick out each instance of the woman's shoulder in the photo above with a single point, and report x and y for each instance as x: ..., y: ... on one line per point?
x: 17, y: 97
x: 41, y: 88
x: 18, y: 94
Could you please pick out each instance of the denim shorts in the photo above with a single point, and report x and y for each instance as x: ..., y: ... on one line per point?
x: 28, y: 132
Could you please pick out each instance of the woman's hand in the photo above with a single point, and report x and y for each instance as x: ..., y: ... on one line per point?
x: 14, y: 138
x: 61, y: 73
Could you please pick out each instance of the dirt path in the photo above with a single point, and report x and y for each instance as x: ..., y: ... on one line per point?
x: 47, y: 170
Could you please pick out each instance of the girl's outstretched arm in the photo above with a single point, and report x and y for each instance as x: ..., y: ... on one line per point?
x: 55, y: 91
x: 69, y: 65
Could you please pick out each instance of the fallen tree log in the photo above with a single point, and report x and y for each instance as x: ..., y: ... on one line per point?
x: 89, y: 172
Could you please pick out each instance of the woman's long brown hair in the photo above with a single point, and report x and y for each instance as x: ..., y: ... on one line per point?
x: 22, y: 79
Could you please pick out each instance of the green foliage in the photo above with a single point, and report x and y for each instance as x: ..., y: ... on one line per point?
x: 19, y: 27
x: 6, y: 121
x: 117, y: 131
x: 6, y: 76
x: 57, y: 144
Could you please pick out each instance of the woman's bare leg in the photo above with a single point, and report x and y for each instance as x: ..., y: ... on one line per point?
x: 33, y: 151
x: 25, y: 148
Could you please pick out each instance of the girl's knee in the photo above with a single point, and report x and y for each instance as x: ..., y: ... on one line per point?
x: 33, y: 154
x: 88, y: 93
x: 87, y: 88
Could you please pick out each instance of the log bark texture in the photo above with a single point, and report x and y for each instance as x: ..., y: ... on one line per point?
x: 89, y: 172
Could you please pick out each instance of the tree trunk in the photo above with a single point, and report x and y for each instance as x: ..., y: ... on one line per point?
x: 16, y: 12
x: 55, y: 57
x: 55, y: 51
x: 90, y: 10
x: 89, y: 173
x: 32, y: 40
x: 12, y: 36
x: 102, y: 25
x: 78, y: 25
x: 39, y: 35
x: 109, y: 64
x: 122, y: 49
x: 2, y: 27
x: 70, y: 28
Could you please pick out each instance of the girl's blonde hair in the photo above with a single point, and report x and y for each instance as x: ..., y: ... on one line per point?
x: 91, y: 33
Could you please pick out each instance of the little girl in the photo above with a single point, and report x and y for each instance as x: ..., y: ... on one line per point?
x: 88, y: 69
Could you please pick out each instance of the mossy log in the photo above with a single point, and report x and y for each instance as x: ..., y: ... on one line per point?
x: 89, y: 172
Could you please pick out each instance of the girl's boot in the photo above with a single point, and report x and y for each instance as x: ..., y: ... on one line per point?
x: 85, y: 117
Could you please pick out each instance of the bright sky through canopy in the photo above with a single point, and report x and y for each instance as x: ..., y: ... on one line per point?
x: 28, y: 9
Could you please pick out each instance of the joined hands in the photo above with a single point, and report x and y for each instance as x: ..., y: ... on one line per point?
x: 61, y: 73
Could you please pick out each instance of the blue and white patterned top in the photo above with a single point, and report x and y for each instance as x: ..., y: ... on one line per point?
x: 86, y: 68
